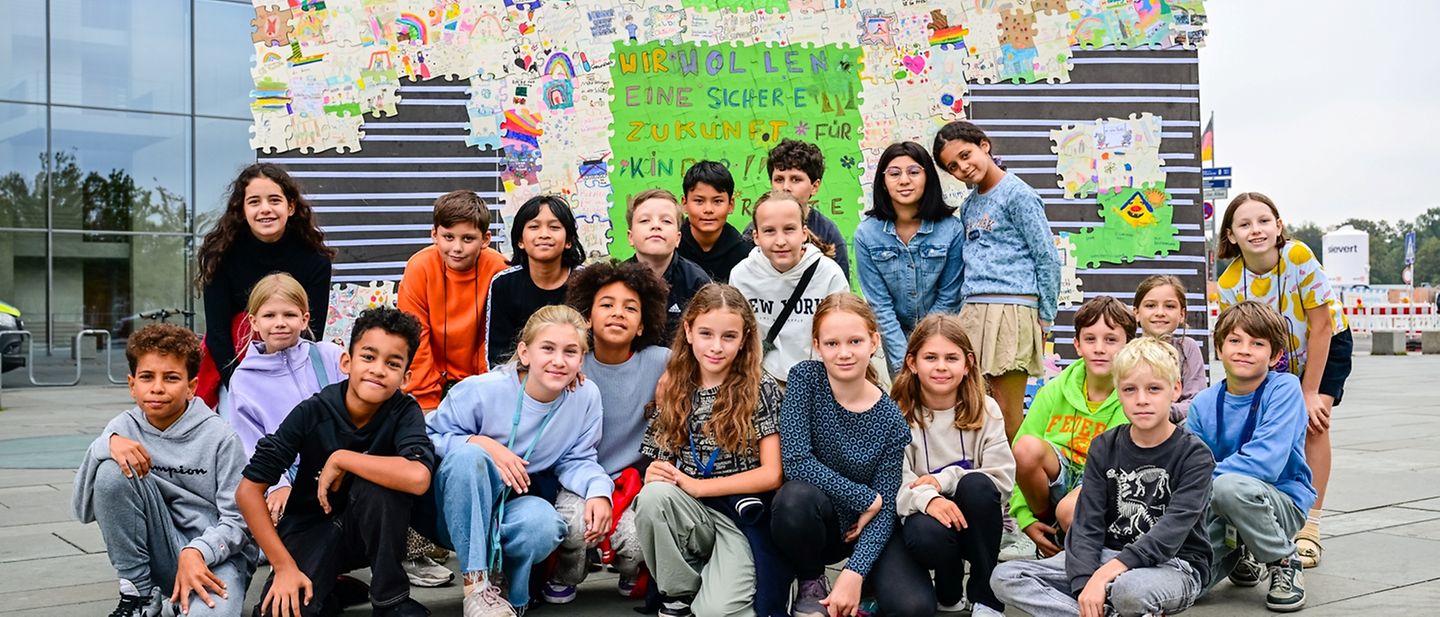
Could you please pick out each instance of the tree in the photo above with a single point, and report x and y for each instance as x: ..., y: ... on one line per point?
x: 1309, y: 233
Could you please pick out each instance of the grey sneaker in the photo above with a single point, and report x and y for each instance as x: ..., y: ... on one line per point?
x: 808, y: 595
x: 1015, y: 545
x: 1287, y: 586
x: 485, y: 600
x: 1247, y: 572
x: 424, y: 572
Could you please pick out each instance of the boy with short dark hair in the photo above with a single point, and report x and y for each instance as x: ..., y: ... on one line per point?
x: 1137, y: 545
x: 1254, y: 421
x: 796, y: 167
x: 444, y: 287
x: 707, y: 238
x: 364, y: 457
x: 1067, y: 413
x: 653, y: 218
x: 160, y: 481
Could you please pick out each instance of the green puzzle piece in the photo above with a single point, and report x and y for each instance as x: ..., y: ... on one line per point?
x: 773, y: 6
x: 1137, y: 223
x: 675, y: 104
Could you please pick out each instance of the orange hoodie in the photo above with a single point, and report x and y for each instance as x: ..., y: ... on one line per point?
x: 451, y: 307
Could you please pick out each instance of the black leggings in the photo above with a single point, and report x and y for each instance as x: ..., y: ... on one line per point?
x: 945, y: 550
x: 807, y: 531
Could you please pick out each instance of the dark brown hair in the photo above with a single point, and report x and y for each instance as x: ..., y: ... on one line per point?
x: 232, y: 223
x: 1230, y: 250
x: 166, y: 340
x: 799, y: 155
x: 969, y: 400
x: 1114, y: 312
x: 457, y: 207
x: 1257, y: 319
x: 585, y: 284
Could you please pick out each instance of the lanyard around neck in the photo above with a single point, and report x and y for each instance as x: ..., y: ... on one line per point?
x: 1248, y: 429
x: 963, y: 463
x: 702, y: 469
x: 515, y: 421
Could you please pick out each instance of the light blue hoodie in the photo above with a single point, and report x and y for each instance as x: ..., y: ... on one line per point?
x: 1275, y: 453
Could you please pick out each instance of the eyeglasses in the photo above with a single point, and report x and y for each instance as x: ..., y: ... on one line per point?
x: 913, y: 171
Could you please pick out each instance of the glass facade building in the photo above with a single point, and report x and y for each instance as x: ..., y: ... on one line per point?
x: 121, y: 122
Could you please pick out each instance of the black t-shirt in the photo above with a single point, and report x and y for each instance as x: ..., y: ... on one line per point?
x: 514, y: 296
x: 730, y: 249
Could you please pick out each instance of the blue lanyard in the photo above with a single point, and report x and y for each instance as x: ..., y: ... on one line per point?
x: 708, y: 467
x: 964, y: 462
x: 1248, y: 430
x: 496, y: 557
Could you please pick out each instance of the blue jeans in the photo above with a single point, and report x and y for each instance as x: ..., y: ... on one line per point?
x: 467, y: 491
x: 1041, y: 588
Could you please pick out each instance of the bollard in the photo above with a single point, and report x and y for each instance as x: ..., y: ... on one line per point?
x: 1430, y: 342
x: 1387, y: 343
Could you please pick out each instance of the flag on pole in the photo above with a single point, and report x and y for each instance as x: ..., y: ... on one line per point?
x: 1207, y: 141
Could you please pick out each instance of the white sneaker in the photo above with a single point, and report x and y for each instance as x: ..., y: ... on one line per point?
x: 1015, y: 545
x: 424, y: 572
x: 485, y: 600
x: 980, y: 610
x: 958, y: 607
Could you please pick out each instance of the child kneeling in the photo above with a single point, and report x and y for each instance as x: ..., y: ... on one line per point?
x: 1137, y: 545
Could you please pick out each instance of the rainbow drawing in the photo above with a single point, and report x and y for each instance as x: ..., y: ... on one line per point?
x: 559, y: 65
x: 409, y: 27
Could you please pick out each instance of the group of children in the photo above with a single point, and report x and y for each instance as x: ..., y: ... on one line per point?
x: 722, y: 444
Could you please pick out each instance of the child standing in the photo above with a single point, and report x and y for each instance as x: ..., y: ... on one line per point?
x: 160, y: 482
x: 1012, y: 270
x: 1160, y: 309
x: 280, y: 371
x: 1254, y: 423
x: 547, y: 251
x: 785, y: 278
x: 1138, y: 545
x: 445, y: 286
x: 498, y: 436
x: 268, y: 226
x: 908, y: 247
x: 625, y: 305
x: 796, y: 167
x: 958, y: 467
x: 1067, y: 414
x: 364, y: 458
x: 1284, y: 274
x: 843, y: 441
x: 715, y: 449
x: 707, y: 238
x: 653, y: 218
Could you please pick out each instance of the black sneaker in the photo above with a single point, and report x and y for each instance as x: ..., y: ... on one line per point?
x: 407, y: 608
x: 1287, y: 586
x: 675, y: 607
x: 136, y: 606
x: 1247, y: 572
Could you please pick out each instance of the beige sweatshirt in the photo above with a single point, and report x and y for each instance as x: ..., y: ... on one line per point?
x: 939, y: 444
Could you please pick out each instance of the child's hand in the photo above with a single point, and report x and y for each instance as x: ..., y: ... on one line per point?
x: 1319, y: 413
x: 579, y: 381
x: 926, y: 479
x: 290, y: 591
x: 133, y: 458
x: 844, y: 597
x: 597, y: 519
x: 1092, y: 598
x: 945, y: 511
x: 860, y: 523
x: 276, y: 502
x: 511, y: 466
x: 330, y: 478
x: 191, y: 575
x: 1040, y: 534
x: 661, y: 471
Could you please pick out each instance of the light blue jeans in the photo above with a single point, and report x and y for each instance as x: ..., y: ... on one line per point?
x: 1041, y: 588
x: 467, y: 489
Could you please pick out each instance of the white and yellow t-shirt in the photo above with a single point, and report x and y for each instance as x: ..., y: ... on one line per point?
x: 1296, y: 283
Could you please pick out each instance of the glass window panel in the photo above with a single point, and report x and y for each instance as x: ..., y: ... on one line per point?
x: 22, y: 150
x: 127, y: 54
x: 22, y: 278
x: 102, y: 278
x: 222, y: 56
x: 120, y: 171
x: 222, y: 149
x: 22, y: 51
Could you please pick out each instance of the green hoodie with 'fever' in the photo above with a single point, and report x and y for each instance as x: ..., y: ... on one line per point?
x: 1060, y: 415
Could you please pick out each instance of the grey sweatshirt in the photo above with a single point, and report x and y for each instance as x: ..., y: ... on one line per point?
x: 196, y: 463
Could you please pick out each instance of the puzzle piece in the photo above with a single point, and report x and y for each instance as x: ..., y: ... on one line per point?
x: 1137, y: 223
x: 272, y: 26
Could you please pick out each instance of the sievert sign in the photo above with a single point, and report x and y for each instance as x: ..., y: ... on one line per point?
x: 1346, y: 257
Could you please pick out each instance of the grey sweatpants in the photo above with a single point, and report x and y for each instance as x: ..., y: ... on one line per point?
x: 1264, y: 519
x: 1041, y: 588
x: 570, y: 566
x: 693, y: 550
x: 144, y: 545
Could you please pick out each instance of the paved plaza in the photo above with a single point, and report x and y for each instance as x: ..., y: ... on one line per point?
x: 1382, y: 527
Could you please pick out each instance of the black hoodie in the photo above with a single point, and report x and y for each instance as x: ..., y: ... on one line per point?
x: 730, y: 249
x: 317, y: 428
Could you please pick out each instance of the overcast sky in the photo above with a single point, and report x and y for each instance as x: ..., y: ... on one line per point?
x: 1332, y: 108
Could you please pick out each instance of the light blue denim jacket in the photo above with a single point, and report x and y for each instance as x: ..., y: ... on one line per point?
x: 905, y: 282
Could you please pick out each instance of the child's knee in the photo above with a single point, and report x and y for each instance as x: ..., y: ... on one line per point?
x: 1065, y: 510
x: 1031, y: 452
x: 1234, y: 492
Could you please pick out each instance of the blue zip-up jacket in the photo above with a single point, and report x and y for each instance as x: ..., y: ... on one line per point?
x: 905, y: 282
x: 1009, y: 249
x: 1275, y: 453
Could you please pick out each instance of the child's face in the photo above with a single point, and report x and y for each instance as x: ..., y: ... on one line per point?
x: 904, y: 181
x: 615, y: 315
x: 1254, y: 228
x: 1098, y: 344
x: 940, y: 366
x: 1146, y: 397
x: 279, y: 323
x: 845, y: 344
x: 266, y: 209
x: 655, y: 228
x: 1161, y: 311
x: 965, y: 161
x: 780, y: 233
x: 553, y: 357
x: 715, y: 338
x: 161, y: 387
x: 707, y: 208
x: 795, y: 182
x: 460, y: 244
x: 377, y: 365
x: 544, y: 238
x: 1246, y: 357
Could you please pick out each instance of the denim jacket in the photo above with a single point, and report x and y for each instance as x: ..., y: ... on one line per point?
x: 905, y: 282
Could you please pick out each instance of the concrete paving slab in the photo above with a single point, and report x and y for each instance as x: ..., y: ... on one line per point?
x: 1227, y: 600
x: 72, y: 600
x: 1351, y: 490
x: 31, y: 477
x: 1385, y: 461
x: 1425, y: 504
x: 1344, y: 524
x: 1416, y: 599
x: 1382, y: 558
x: 56, y: 572
x: 36, y: 546
x: 87, y: 538
x: 1428, y: 530
x: 36, y: 513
